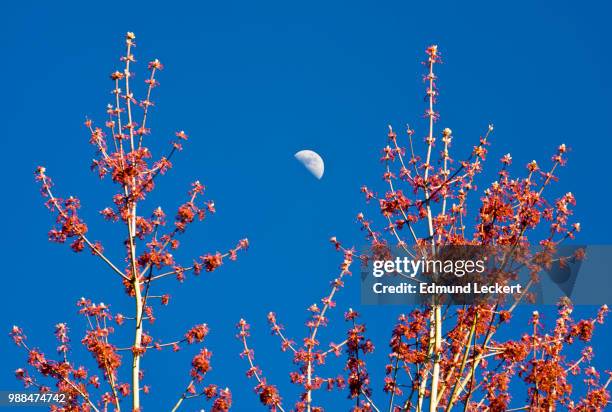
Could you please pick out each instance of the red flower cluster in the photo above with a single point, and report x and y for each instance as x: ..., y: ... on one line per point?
x: 358, y: 379
x: 201, y: 364
x: 196, y: 334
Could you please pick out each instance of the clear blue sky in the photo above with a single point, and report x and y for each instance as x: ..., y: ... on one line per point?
x: 253, y: 84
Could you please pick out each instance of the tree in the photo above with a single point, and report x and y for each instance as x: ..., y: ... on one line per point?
x: 445, y: 357
x: 123, y: 156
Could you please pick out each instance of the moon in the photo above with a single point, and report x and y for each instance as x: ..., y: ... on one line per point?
x: 311, y: 161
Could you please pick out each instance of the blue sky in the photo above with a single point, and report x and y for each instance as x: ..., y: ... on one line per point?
x: 252, y: 84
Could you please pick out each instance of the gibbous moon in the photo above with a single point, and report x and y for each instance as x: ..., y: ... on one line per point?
x: 311, y: 161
